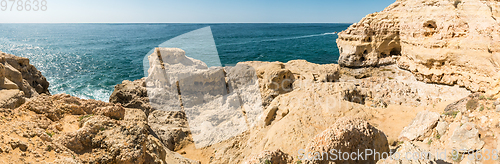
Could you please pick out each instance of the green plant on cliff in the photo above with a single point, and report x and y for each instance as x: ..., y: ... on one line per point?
x: 471, y: 104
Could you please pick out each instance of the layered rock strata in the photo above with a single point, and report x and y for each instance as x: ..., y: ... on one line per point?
x: 443, y: 42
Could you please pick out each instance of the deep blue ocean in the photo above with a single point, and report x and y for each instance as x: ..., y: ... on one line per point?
x: 88, y: 60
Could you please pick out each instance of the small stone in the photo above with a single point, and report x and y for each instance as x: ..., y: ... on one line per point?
x: 498, y: 108
x: 442, y: 127
x: 464, y: 119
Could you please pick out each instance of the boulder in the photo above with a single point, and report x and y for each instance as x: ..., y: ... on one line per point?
x: 171, y: 128
x: 409, y: 153
x: 466, y: 139
x: 464, y: 104
x: 348, y: 135
x: 420, y: 126
x: 265, y: 157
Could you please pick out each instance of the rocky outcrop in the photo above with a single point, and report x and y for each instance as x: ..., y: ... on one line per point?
x: 66, y: 129
x: 11, y: 98
x: 348, y: 135
x: 277, y: 157
x: 443, y: 42
x: 17, y: 73
x: 466, y: 139
x: 277, y: 78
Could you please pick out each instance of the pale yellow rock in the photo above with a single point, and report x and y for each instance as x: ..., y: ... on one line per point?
x: 17, y: 73
x: 439, y: 41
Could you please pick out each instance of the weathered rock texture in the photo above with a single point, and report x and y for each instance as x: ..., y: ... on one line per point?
x: 453, y: 42
x: 277, y: 157
x: 420, y: 126
x: 66, y: 129
x: 402, y: 155
x: 348, y: 135
x: 466, y: 138
x: 132, y: 95
x: 17, y: 73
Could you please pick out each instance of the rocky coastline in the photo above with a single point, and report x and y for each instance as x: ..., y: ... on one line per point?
x: 417, y: 77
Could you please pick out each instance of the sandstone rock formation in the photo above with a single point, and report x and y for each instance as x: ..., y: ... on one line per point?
x: 17, y: 73
x: 405, y: 154
x: 466, y: 139
x: 298, y: 98
x: 277, y: 157
x: 348, y: 135
x: 443, y: 42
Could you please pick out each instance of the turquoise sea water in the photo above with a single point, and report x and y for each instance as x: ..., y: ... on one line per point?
x: 88, y: 60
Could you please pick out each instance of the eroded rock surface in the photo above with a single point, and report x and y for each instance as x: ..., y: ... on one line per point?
x: 132, y: 94
x: 444, y: 42
x: 17, y: 73
x: 466, y: 138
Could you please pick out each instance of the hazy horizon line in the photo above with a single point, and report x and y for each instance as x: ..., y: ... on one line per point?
x: 175, y: 22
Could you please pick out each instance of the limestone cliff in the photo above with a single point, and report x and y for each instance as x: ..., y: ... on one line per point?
x: 19, y: 80
x: 452, y: 42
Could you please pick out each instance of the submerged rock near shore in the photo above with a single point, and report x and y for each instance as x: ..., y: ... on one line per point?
x: 451, y: 42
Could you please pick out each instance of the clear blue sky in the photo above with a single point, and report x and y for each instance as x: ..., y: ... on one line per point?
x: 197, y: 11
